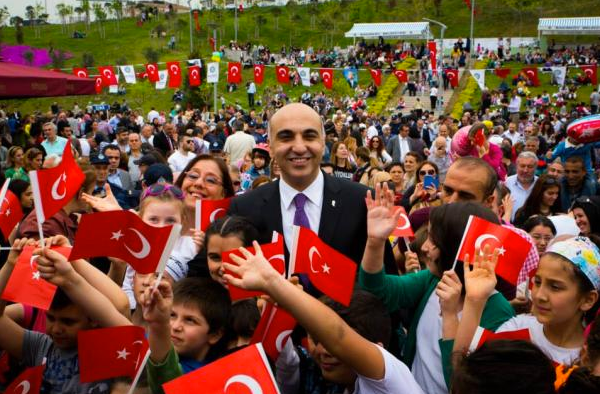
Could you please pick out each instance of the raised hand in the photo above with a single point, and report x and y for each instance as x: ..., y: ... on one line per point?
x: 102, y: 204
x: 54, y: 267
x: 382, y: 216
x: 157, y: 303
x: 17, y: 248
x: 198, y: 238
x: 254, y: 271
x: 480, y: 281
x: 411, y: 262
x: 449, y: 291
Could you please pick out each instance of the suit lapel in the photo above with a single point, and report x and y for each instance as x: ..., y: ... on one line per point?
x: 271, y: 207
x: 331, y: 209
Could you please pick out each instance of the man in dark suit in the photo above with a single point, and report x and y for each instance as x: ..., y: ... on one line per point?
x: 399, y: 145
x: 163, y: 140
x: 334, y: 208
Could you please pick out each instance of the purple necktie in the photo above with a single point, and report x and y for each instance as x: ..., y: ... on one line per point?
x: 300, y: 218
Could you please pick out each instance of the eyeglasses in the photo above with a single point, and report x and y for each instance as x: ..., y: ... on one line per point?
x: 427, y: 172
x: 158, y: 189
x: 209, y: 179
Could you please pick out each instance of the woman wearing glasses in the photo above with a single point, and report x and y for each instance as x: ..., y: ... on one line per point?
x: 544, y: 200
x: 542, y: 232
x: 425, y: 192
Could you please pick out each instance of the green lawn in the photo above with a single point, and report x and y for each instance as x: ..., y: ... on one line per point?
x: 320, y: 26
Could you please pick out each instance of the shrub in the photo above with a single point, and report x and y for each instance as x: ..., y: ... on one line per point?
x: 386, y: 91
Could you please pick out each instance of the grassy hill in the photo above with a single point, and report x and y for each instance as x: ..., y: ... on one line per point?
x: 322, y: 25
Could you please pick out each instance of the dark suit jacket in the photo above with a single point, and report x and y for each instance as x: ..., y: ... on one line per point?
x: 343, y: 224
x: 161, y: 142
x: 414, y: 144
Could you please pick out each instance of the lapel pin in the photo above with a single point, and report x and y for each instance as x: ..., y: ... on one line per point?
x: 333, y: 203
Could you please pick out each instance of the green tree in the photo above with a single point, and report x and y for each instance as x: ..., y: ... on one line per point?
x: 151, y: 55
x: 101, y: 16
x: 58, y: 58
x: 313, y: 11
x: 117, y: 7
x: 85, y: 6
x: 64, y: 11
x: 259, y: 20
x: 79, y: 11
x: 521, y: 7
x: 87, y: 59
x: 276, y: 12
x: 4, y: 16
x: 28, y: 56
x: 17, y: 21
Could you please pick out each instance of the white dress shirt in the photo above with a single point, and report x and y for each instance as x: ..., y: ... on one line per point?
x: 312, y: 207
x: 404, y: 147
x: 518, y: 193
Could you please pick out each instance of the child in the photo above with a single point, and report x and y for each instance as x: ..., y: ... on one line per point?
x: 225, y: 234
x: 185, y: 327
x: 76, y: 306
x: 344, y: 355
x: 260, y: 165
x: 565, y: 288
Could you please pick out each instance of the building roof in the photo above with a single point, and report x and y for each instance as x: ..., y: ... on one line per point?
x: 554, y: 26
x: 408, y: 30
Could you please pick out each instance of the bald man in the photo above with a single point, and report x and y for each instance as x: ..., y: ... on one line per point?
x: 334, y: 208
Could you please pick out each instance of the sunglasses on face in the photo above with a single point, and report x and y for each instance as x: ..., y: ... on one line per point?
x: 427, y: 172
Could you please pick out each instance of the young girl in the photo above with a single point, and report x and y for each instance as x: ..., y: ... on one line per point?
x: 565, y: 289
x: 340, y: 158
x: 260, y: 165
x: 544, y: 200
x: 423, y: 291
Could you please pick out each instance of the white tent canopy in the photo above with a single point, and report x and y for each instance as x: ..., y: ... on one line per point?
x: 408, y: 30
x: 569, y: 26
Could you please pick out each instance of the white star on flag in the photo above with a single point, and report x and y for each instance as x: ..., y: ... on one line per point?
x: 7, y: 212
x: 116, y: 235
x: 501, y: 251
x: 122, y: 354
x: 36, y: 275
x: 326, y: 268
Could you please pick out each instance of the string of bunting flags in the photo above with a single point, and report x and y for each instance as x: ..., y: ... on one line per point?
x: 172, y: 75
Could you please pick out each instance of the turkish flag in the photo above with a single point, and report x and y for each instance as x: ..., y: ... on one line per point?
x: 376, y: 75
x: 273, y: 330
x: 283, y: 74
x: 108, y: 75
x: 502, y: 72
x: 403, y: 227
x: 488, y: 335
x: 245, y: 371
x: 174, y: 70
x: 401, y: 75
x: 452, y: 75
x: 591, y: 72
x: 327, y: 77
x: 329, y: 271
x: 432, y: 46
x: 273, y: 252
x: 28, y: 382
x: 124, y: 235
x: 194, y: 75
x: 141, y: 75
x: 259, y: 73
x: 99, y: 83
x: 10, y: 210
x: 54, y: 187
x: 234, y: 72
x: 25, y: 284
x: 110, y: 352
x: 532, y: 74
x: 513, y: 248
x: 152, y: 71
x: 207, y: 211
x: 81, y: 72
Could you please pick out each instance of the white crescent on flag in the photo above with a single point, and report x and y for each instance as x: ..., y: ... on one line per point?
x: 144, y: 251
x: 406, y: 223
x: 257, y: 71
x: 589, y: 72
x: 326, y: 76
x: 530, y: 72
x: 451, y: 73
x: 282, y: 72
x: 174, y: 68
x: 311, y: 253
x: 235, y: 70
x: 25, y: 386
x: 55, y: 186
x: 482, y: 238
x: 107, y: 73
x: 283, y: 335
x: 81, y: 74
x: 151, y: 68
x: 195, y: 73
x: 247, y: 381
x: 214, y: 214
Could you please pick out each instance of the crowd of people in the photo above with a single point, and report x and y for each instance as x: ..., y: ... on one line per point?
x: 417, y: 321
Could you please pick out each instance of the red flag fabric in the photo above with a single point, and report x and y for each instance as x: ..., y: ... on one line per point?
x: 487, y: 335
x: 241, y: 7
x: 259, y: 73
x: 327, y: 77
x: 25, y: 284
x: 196, y: 15
x: 210, y: 210
x: 452, y: 75
x: 212, y: 43
x: 99, y: 83
x: 110, y: 352
x: 591, y: 72
x: 532, y: 74
x: 28, y: 382
x: 152, y: 71
x: 273, y: 252
x: 513, y: 248
x: 234, y: 72
x: 124, y: 235
x: 141, y: 75
x: 108, y: 75
x: 403, y: 227
x: 10, y: 213
x: 194, y: 75
x: 432, y: 46
x: 273, y: 330
x: 376, y: 75
x: 329, y: 271
x: 174, y: 70
x: 401, y: 75
x: 502, y: 72
x: 54, y: 187
x: 245, y: 371
x: 81, y: 72
x: 283, y: 74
